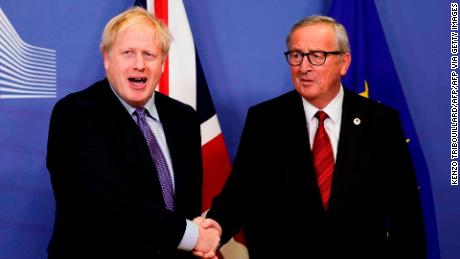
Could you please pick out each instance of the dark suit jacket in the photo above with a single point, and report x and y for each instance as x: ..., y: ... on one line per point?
x: 109, y: 202
x: 374, y: 210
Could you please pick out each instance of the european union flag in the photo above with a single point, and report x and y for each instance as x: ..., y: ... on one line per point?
x: 372, y: 74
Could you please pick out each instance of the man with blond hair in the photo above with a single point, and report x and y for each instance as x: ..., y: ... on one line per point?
x: 124, y: 160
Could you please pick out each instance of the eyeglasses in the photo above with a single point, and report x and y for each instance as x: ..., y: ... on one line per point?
x: 316, y: 58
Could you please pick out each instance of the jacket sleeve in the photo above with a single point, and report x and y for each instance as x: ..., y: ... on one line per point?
x: 406, y: 233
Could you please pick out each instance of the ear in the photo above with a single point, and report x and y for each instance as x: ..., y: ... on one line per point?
x: 106, y: 56
x: 346, y: 60
x: 163, y: 66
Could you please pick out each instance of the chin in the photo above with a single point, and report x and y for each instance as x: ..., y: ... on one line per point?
x: 307, y: 92
x: 137, y: 101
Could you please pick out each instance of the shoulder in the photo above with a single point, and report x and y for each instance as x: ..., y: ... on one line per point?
x: 176, y: 112
x: 286, y: 99
x: 92, y: 97
x: 362, y: 104
x: 166, y: 104
x: 279, y: 106
x: 376, y: 115
x: 96, y: 102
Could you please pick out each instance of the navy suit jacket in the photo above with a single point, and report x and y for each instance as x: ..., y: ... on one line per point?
x: 374, y: 209
x: 109, y: 202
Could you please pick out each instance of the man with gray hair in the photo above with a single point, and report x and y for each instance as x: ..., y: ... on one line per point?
x: 321, y: 172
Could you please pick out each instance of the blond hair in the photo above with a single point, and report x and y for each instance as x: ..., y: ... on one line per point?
x: 130, y: 17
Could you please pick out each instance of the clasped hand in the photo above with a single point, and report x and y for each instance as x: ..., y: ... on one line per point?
x: 208, y: 238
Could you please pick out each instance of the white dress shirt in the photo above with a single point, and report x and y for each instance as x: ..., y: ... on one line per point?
x: 331, y: 124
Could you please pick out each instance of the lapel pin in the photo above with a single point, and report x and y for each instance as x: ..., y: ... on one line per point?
x: 356, y: 121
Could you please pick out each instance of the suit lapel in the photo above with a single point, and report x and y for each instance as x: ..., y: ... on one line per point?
x: 168, y: 124
x: 126, y: 127
x: 133, y: 143
x: 299, y: 166
x: 173, y: 132
x: 349, y: 149
x: 122, y: 121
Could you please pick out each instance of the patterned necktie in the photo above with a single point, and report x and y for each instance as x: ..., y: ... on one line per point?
x: 160, y: 163
x: 323, y: 159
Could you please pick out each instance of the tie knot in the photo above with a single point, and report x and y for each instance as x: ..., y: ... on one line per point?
x: 140, y: 113
x: 321, y: 115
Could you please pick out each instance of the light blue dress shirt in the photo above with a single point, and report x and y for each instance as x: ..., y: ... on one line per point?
x: 190, y: 237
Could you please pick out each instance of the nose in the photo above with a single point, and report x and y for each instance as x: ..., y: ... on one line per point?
x: 305, y: 66
x: 139, y: 63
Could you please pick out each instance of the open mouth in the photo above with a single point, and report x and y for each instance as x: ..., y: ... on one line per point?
x: 137, y: 80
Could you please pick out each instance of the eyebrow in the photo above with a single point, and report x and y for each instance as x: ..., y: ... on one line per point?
x: 312, y: 50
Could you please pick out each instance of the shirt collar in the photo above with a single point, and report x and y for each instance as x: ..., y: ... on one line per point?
x: 149, y: 106
x: 333, y: 109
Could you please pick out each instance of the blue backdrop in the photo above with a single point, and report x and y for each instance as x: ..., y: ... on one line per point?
x: 240, y: 43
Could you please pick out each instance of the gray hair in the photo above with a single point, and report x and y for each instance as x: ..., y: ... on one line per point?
x: 340, y: 32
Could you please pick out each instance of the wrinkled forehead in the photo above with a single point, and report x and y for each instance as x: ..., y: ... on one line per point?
x: 314, y: 37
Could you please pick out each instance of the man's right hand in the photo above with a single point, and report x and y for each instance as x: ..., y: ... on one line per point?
x: 208, y: 238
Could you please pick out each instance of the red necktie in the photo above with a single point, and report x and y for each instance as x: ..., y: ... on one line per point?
x: 323, y: 159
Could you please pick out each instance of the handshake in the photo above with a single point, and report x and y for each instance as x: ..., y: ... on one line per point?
x: 208, y: 238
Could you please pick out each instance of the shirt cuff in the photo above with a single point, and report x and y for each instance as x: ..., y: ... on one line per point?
x: 190, y: 237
